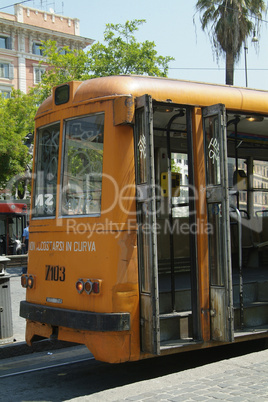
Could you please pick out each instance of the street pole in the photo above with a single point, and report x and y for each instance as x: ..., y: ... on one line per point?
x: 246, y: 67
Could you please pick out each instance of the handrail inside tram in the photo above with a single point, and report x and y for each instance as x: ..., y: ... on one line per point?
x: 239, y: 230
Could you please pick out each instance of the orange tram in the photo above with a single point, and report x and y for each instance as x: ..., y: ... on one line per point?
x: 149, y: 218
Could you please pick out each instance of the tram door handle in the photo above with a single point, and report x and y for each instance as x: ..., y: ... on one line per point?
x: 211, y: 312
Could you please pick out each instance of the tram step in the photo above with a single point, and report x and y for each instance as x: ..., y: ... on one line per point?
x: 252, y: 292
x: 255, y: 314
x: 182, y: 301
x: 181, y: 264
x: 177, y: 325
x: 264, y: 259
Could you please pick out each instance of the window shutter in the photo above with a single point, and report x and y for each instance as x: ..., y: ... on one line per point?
x: 9, y: 42
x: 11, y: 71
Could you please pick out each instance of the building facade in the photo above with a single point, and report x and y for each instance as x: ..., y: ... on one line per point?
x: 21, y: 37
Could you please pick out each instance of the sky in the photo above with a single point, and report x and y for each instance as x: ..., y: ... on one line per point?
x: 171, y: 26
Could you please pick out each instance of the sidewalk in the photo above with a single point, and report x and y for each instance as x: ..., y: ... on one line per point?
x: 18, y: 293
x: 237, y: 379
x: 18, y: 346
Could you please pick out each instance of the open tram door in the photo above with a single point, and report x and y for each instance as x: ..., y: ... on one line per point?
x: 221, y: 301
x: 146, y: 219
x: 166, y: 254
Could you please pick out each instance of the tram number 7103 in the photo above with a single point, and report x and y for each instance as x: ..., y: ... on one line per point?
x: 55, y: 273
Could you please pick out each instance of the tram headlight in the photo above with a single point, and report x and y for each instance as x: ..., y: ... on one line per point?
x: 89, y: 286
x: 28, y: 281
x: 96, y: 287
x: 62, y: 94
x: 23, y: 281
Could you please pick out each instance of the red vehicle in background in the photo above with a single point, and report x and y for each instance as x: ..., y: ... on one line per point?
x: 13, y: 217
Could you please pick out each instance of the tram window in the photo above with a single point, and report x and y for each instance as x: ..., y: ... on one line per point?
x: 242, y: 166
x: 260, y: 188
x: 260, y: 202
x: 12, y: 227
x: 141, y: 143
x: 19, y: 227
x: 46, y: 168
x: 238, y: 181
x: 259, y: 174
x: 82, y: 170
x: 2, y: 226
x: 181, y: 200
x: 217, y: 269
x: 212, y: 142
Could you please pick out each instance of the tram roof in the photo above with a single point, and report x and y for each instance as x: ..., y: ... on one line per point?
x: 167, y: 90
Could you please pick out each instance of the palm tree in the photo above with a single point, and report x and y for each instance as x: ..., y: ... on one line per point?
x: 229, y: 23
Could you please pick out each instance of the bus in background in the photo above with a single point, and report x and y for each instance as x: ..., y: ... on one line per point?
x: 148, y: 225
x: 13, y: 218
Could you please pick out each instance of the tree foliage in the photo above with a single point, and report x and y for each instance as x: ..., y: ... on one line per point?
x: 122, y: 54
x: 64, y: 65
x: 16, y: 121
x: 229, y: 23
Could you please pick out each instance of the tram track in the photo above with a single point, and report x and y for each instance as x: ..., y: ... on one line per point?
x: 46, y: 367
x: 80, y: 355
x: 41, y: 361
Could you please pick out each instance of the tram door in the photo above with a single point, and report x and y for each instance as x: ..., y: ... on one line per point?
x: 146, y: 216
x: 221, y: 304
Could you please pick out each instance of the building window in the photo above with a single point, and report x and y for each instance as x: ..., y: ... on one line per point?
x: 38, y: 72
x: 62, y: 51
x: 37, y: 48
x: 6, y: 70
x: 5, y: 42
x: 5, y: 92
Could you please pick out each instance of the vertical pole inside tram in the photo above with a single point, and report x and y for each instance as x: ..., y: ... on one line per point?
x: 170, y: 217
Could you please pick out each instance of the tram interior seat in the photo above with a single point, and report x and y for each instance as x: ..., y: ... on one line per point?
x: 180, y: 244
x: 254, y: 240
x: 263, y: 235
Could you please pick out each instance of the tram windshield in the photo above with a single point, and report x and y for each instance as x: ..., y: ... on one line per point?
x: 46, y: 167
x: 82, y: 171
x: 81, y: 179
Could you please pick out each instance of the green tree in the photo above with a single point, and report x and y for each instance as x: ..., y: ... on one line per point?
x: 64, y: 65
x: 174, y: 167
x: 229, y: 23
x: 16, y: 121
x: 124, y: 55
